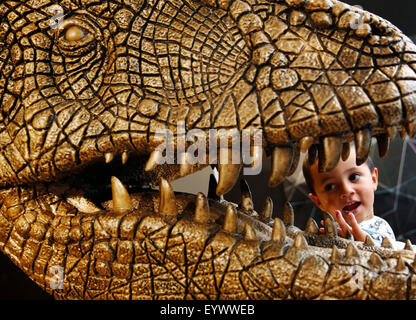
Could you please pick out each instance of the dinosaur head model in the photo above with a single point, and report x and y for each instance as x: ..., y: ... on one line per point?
x: 87, y: 87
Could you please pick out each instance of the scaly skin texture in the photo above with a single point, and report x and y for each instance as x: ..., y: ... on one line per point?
x: 310, y: 75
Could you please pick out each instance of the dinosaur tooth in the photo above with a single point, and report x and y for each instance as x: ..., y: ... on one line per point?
x: 256, y: 156
x: 376, y: 261
x: 249, y: 233
x: 279, y: 231
x: 295, y: 159
x: 185, y: 165
x: 345, y: 151
x: 305, y: 143
x: 410, y: 127
x: 246, y: 199
x: 153, y: 160
x: 230, y: 220
x: 282, y: 159
x: 300, y: 241
x: 363, y: 145
x: 329, y: 153
x: 408, y: 245
x: 391, y: 131
x: 124, y: 157
x: 312, y: 226
x: 201, y: 208
x: 386, y: 243
x: 167, y: 198
x: 229, y: 172
x: 369, y: 241
x: 288, y: 215
x: 121, y: 198
x: 109, y: 156
x: 403, y: 134
x: 330, y: 227
x: 352, y: 251
x: 400, y: 266
x: 383, y: 143
x: 267, y: 212
x: 335, y: 254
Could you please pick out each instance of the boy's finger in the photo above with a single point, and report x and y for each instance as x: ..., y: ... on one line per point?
x: 342, y: 223
x: 341, y: 232
x: 356, y: 229
x: 352, y: 221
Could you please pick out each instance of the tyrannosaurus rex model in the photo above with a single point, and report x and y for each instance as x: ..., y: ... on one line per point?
x: 86, y: 89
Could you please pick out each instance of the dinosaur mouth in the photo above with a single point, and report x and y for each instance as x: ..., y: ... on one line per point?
x: 95, y: 187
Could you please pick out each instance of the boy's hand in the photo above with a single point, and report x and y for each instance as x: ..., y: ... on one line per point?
x: 350, y: 225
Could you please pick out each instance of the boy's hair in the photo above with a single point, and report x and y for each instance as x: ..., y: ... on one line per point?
x: 306, y: 168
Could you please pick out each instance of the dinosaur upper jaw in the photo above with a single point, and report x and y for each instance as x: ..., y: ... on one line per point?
x: 303, y: 76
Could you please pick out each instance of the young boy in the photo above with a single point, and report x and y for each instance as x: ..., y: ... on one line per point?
x: 347, y: 193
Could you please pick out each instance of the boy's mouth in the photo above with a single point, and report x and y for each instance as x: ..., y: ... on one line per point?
x: 351, y: 207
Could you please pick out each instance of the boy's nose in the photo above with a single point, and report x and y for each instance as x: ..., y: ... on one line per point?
x: 346, y: 190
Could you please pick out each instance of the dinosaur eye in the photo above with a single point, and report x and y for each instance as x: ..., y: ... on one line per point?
x: 77, y: 36
x: 74, y: 33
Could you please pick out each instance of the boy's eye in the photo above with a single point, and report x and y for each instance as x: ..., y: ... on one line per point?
x: 354, y: 177
x: 329, y: 187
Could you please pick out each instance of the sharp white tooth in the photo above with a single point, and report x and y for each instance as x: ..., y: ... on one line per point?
x: 345, y: 151
x: 124, y: 157
x: 167, y: 204
x: 249, y: 233
x: 121, y: 198
x: 278, y: 231
x: 246, y: 200
x: 201, y: 208
x: 391, y: 131
x: 282, y: 159
x: 109, y: 156
x: 362, y: 145
x: 185, y: 165
x: 229, y: 172
x: 153, y: 161
x: 230, y: 220
x: 305, y: 143
x: 329, y: 153
x: 257, y: 156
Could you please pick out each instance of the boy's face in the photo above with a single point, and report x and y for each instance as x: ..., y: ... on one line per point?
x: 348, y: 188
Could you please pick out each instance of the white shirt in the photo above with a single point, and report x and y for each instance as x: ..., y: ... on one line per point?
x: 378, y: 229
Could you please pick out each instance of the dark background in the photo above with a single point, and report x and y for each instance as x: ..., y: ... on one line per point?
x: 395, y: 198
